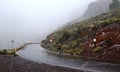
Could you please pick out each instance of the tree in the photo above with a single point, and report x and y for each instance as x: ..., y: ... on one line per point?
x: 115, y: 4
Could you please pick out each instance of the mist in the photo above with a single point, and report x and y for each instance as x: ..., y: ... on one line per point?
x: 32, y: 20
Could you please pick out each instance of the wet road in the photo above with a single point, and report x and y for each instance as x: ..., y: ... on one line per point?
x: 40, y: 55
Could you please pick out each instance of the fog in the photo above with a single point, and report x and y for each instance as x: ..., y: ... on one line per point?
x: 32, y: 20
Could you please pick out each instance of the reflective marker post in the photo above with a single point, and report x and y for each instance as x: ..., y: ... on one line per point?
x: 12, y: 41
x: 94, y: 40
x: 51, y: 40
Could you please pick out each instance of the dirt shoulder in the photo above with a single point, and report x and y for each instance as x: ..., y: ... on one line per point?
x: 17, y: 64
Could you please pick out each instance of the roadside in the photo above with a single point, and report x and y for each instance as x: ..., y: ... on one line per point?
x: 16, y: 64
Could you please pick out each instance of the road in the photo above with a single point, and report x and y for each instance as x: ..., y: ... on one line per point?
x: 38, y: 54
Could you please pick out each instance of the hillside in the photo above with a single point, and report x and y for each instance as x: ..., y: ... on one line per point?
x: 95, y: 8
x: 97, y: 37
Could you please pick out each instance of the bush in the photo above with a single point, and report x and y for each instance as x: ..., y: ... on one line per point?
x: 97, y: 49
x: 3, y: 51
x: 70, y: 51
x: 78, y: 51
x: 65, y: 46
x: 11, y: 52
x: 74, y: 44
x: 108, y: 42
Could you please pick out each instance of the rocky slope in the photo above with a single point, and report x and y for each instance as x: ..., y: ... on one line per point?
x: 107, y: 43
x: 95, y: 8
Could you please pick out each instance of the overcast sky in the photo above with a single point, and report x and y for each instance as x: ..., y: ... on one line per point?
x: 36, y: 18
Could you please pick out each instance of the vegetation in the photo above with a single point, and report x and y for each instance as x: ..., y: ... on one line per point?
x: 97, y: 49
x: 8, y: 52
x: 65, y: 46
x: 115, y: 4
x: 77, y: 39
x: 3, y: 51
x: 108, y: 42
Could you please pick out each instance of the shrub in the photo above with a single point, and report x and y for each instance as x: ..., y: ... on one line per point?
x: 65, y: 46
x: 11, y: 52
x: 78, y: 51
x: 97, y: 49
x: 108, y: 42
x: 74, y: 44
x: 3, y: 51
x: 70, y: 51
